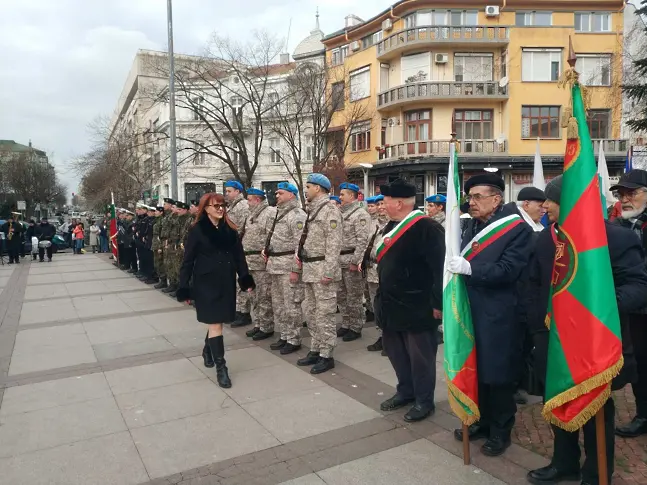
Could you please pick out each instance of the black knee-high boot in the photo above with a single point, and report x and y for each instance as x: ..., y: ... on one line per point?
x: 206, y: 353
x: 217, y: 346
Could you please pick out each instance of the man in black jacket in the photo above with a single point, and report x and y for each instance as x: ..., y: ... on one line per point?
x: 409, y: 298
x: 45, y: 232
x: 630, y: 279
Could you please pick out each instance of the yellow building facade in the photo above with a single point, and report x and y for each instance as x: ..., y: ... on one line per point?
x: 421, y: 70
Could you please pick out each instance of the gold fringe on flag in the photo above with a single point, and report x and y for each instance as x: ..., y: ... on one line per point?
x: 569, y: 79
x: 454, y: 394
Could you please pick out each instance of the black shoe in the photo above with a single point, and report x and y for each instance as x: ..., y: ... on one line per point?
x: 520, y: 397
x: 351, y: 335
x: 142, y: 277
x: 395, y: 402
x: 279, y: 344
x: 376, y: 347
x: 550, y: 475
x: 419, y: 412
x: 475, y: 432
x: 495, y: 446
x: 137, y: 274
x: 217, y: 346
x: 160, y: 286
x: 250, y: 333
x: 245, y: 319
x: 169, y: 289
x: 173, y: 294
x: 370, y: 316
x: 324, y: 364
x: 637, y: 427
x: 131, y: 271
x: 150, y: 281
x: 311, y: 359
x: 342, y: 331
x: 49, y: 260
x: 289, y: 348
x: 260, y: 335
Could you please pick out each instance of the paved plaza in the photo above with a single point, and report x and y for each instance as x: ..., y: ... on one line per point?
x: 101, y: 382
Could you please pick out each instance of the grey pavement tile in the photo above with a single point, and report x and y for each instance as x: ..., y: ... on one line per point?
x: 328, y: 409
x: 108, y: 460
x: 311, y: 479
x: 161, y: 404
x: 80, y: 288
x: 108, y: 274
x: 46, y: 428
x: 99, y: 305
x: 151, y: 300
x: 44, y: 279
x: 71, y: 335
x: 187, y: 443
x: 174, y: 322
x: 193, y: 340
x: 129, y: 348
x: 49, y: 394
x: 49, y: 268
x: 47, y: 311
x: 149, y: 376
x: 4, y: 280
x: 121, y: 284
x: 84, y: 275
x: 42, y: 292
x: 251, y: 358
x: 118, y: 329
x: 416, y: 463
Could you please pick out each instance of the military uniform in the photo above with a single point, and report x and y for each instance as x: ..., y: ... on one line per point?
x: 377, y: 227
x: 170, y: 255
x: 156, y: 246
x: 238, y: 212
x: 162, y: 270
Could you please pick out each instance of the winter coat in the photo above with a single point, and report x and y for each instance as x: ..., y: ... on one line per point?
x: 94, y: 235
x: 45, y: 232
x: 212, y: 259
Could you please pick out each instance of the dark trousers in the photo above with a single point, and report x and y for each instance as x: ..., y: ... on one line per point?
x: 132, y: 257
x: 145, y: 261
x: 41, y: 252
x: 14, y: 253
x: 413, y: 357
x: 121, y: 254
x: 497, y: 407
x: 566, y: 456
x: 638, y: 330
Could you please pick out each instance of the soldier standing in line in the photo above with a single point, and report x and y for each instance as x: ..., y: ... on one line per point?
x: 170, y: 256
x: 254, y: 236
x: 164, y: 234
x: 356, y: 224
x: 183, y: 217
x: 280, y: 247
x: 318, y: 255
x: 139, y: 224
x: 156, y: 244
x: 238, y: 212
x: 121, y: 235
x: 147, y: 242
x: 129, y: 243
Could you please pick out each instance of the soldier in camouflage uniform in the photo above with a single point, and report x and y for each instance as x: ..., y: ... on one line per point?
x: 163, y: 235
x: 287, y: 291
x: 238, y: 212
x: 318, y: 253
x: 170, y: 254
x: 183, y: 218
x: 156, y: 245
x: 254, y: 236
x: 355, y: 225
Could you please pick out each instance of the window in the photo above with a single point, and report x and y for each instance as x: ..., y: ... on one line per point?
x: 360, y: 83
x: 533, y: 19
x: 416, y: 67
x: 384, y: 76
x: 541, y: 65
x: 372, y: 39
x: 599, y: 121
x: 473, y: 124
x: 417, y: 125
x: 442, y: 17
x: 275, y: 150
x: 595, y: 70
x: 503, y: 71
x: 310, y: 147
x: 198, y: 157
x: 473, y: 67
x: 272, y: 98
x: 360, y: 136
x: 540, y: 121
x: 237, y: 107
x: 197, y: 104
x: 338, y: 95
x: 592, y: 22
x: 339, y: 54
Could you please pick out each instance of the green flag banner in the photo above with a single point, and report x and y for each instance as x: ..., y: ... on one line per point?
x: 585, y: 347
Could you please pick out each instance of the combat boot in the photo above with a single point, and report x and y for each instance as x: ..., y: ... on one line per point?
x: 260, y: 335
x: 351, y: 335
x: 161, y: 285
x: 173, y: 294
x: 370, y: 316
x: 342, y: 331
x: 376, y: 347
x: 151, y: 281
x: 170, y: 289
x: 279, y: 344
x: 324, y: 364
x: 252, y: 332
x: 289, y: 348
x: 242, y: 320
x: 217, y: 346
x: 311, y: 359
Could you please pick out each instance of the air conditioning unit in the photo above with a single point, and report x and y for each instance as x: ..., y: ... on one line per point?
x: 354, y: 46
x: 492, y: 11
x: 441, y: 58
x: 387, y: 24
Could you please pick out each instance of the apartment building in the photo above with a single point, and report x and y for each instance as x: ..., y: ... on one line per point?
x: 487, y: 72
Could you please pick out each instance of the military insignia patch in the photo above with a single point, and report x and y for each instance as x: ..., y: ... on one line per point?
x: 387, y: 241
x: 333, y: 224
x: 299, y: 225
x: 362, y: 222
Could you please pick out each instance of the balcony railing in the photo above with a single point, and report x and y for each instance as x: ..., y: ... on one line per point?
x: 441, y: 90
x: 413, y: 149
x: 432, y: 34
x: 611, y: 146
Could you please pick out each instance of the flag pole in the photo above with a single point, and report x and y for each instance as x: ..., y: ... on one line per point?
x: 601, y: 447
x: 466, y: 445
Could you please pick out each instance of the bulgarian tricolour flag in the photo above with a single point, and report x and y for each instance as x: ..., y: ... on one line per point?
x: 113, y: 228
x: 585, y: 347
x: 458, y: 331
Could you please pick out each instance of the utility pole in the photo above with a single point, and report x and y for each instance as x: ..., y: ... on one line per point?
x: 171, y: 91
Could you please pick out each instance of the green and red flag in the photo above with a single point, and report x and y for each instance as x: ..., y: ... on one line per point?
x: 113, y: 228
x: 585, y: 346
x: 458, y: 331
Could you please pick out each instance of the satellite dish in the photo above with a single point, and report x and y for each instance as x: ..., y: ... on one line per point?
x: 504, y: 81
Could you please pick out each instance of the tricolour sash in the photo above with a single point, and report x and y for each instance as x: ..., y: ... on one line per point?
x: 396, y: 233
x: 489, y: 234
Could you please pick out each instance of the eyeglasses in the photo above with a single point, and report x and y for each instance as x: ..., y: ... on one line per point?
x: 217, y: 206
x: 629, y: 194
x: 478, y: 197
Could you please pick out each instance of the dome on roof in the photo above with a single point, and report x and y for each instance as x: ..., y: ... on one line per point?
x: 311, y: 45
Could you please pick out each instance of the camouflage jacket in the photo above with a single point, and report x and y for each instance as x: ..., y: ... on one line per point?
x: 157, y: 224
x: 439, y: 218
x: 356, y: 224
x: 255, y: 232
x: 164, y: 226
x: 377, y: 224
x: 174, y: 230
x: 238, y: 211
x: 290, y: 219
x: 188, y: 223
x: 322, y: 242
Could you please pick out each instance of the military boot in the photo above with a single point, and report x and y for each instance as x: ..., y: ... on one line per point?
x: 351, y: 335
x: 324, y: 364
x: 242, y: 320
x: 170, y: 289
x: 376, y: 347
x: 161, y: 285
x: 311, y: 359
x: 252, y: 332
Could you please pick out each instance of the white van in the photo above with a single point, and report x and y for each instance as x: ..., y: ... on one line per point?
x: 75, y: 215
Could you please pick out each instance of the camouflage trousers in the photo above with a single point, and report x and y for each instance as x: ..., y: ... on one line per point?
x: 321, y: 302
x: 171, y: 265
x: 286, y: 303
x: 261, y: 301
x: 372, y: 290
x: 158, y: 261
x: 243, y: 302
x: 349, y: 298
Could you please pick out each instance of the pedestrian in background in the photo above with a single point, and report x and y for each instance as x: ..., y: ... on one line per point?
x: 79, y: 237
x: 94, y: 236
x: 103, y: 237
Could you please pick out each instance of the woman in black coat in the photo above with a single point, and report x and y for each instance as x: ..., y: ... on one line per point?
x: 213, y: 255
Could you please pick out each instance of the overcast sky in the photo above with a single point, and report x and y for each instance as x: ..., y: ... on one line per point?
x: 64, y: 62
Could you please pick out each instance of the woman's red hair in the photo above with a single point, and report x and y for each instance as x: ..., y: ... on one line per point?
x: 213, y: 198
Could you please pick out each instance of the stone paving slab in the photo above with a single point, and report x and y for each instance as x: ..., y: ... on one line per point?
x: 131, y: 347
x: 134, y: 379
x: 118, y: 329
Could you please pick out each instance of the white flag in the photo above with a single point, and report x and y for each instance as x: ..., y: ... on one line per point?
x: 605, y: 183
x: 538, y: 180
x: 452, y: 219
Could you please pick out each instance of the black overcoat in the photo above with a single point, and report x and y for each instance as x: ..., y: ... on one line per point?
x: 493, y: 293
x: 411, y: 279
x: 629, y: 278
x: 212, y: 258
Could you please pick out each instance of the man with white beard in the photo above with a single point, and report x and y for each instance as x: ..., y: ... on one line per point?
x: 631, y: 191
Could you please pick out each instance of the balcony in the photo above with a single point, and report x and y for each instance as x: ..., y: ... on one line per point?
x: 426, y: 36
x: 611, y: 146
x: 441, y: 91
x: 417, y: 149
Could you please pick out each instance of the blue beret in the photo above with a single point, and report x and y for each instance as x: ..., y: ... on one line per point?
x: 234, y: 184
x: 437, y: 199
x: 289, y: 187
x: 319, y: 179
x: 371, y: 200
x: 379, y: 198
x: 349, y: 186
x: 335, y: 198
x: 255, y: 191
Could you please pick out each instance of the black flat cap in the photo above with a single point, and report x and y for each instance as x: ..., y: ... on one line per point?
x: 633, y: 179
x: 168, y: 200
x: 399, y: 189
x: 531, y: 193
x: 485, y: 178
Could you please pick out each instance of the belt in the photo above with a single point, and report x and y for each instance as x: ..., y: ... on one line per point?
x: 252, y: 253
x: 347, y: 251
x: 313, y: 259
x: 280, y: 253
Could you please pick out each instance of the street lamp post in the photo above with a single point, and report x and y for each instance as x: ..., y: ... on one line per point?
x: 366, y: 167
x: 171, y: 91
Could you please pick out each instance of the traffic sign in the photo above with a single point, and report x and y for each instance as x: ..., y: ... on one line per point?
x: 22, y: 205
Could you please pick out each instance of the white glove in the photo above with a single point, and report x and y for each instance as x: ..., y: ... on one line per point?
x: 459, y: 265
